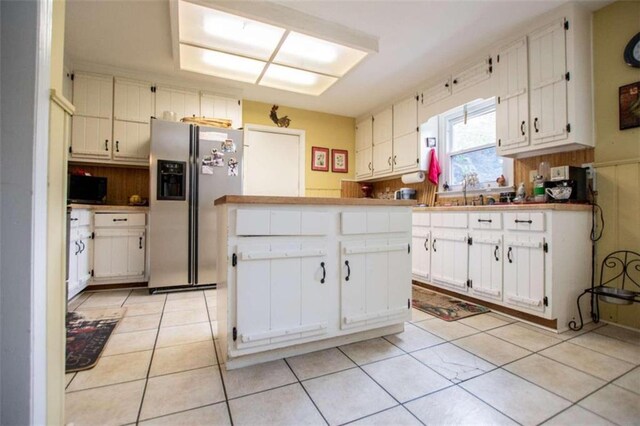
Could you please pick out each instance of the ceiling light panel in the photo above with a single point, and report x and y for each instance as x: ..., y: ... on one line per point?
x: 314, y: 54
x: 220, y: 64
x: 294, y: 80
x: 218, y: 30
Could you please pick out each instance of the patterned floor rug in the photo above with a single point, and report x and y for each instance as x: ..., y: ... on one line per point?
x: 87, y: 334
x: 442, y: 306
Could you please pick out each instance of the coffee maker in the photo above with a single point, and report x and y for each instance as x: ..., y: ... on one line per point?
x: 574, y: 177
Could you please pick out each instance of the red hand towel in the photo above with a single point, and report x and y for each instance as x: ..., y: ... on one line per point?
x: 434, y: 167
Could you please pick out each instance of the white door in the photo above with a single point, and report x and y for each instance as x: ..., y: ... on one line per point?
x: 212, y: 106
x: 273, y: 162
x: 131, y: 140
x: 449, y: 259
x: 383, y: 126
x: 364, y: 163
x: 83, y: 258
x: 135, y: 253
x: 485, y: 266
x: 90, y: 137
x: 524, y: 270
x: 405, y: 151
x: 421, y: 253
x: 547, y: 75
x: 184, y: 103
x: 471, y: 75
x: 512, y: 110
x: 436, y: 92
x: 132, y: 101
x: 110, y: 253
x: 93, y: 95
x: 382, y: 158
x: 364, y: 134
x: 405, y: 116
x: 72, y: 282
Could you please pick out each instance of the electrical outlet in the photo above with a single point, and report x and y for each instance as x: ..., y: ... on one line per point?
x: 532, y: 175
x: 591, y: 174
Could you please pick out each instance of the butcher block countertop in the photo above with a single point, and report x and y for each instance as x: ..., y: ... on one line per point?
x: 106, y: 207
x: 508, y: 207
x: 259, y: 199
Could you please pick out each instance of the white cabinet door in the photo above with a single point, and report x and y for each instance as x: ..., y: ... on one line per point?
x: 132, y: 101
x: 282, y: 292
x: 371, y: 289
x: 405, y: 116
x: 382, y: 158
x: 524, y: 270
x: 406, y: 152
x: 93, y: 95
x: 436, y: 92
x: 83, y: 258
x: 73, y: 286
x: 548, y: 84
x: 212, y: 106
x: 485, y: 266
x: 421, y: 253
x: 184, y: 103
x: 512, y: 109
x: 383, y: 126
x: 90, y: 137
x: 136, y: 254
x: 131, y: 140
x: 449, y: 254
x: 364, y: 134
x: 110, y: 254
x: 364, y: 163
x: 471, y: 74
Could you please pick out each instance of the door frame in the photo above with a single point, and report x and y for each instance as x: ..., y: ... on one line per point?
x: 282, y: 131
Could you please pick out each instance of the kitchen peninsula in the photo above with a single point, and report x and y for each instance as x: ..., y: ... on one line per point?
x: 304, y: 274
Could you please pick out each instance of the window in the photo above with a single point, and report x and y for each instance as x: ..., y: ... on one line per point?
x: 469, y: 135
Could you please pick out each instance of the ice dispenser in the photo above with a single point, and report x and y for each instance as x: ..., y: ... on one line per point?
x: 171, y: 180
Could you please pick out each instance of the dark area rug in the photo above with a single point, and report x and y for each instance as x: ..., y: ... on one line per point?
x: 87, y: 334
x: 442, y: 306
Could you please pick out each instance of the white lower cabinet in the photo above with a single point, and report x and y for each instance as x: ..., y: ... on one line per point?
x: 119, y: 253
x: 449, y: 258
x: 535, y: 261
x: 80, y: 252
x: 374, y: 274
x: 290, y: 291
x: 284, y: 289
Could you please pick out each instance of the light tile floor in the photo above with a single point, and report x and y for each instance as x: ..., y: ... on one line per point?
x: 161, y: 367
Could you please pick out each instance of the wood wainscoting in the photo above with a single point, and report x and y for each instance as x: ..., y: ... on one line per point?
x: 122, y: 181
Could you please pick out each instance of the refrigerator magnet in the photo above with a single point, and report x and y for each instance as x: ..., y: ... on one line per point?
x: 207, y: 165
x: 218, y: 158
x: 233, y: 167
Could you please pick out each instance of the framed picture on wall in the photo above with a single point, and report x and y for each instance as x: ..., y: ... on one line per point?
x: 630, y: 106
x: 339, y: 161
x: 319, y: 159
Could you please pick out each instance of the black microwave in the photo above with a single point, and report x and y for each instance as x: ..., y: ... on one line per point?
x: 87, y: 189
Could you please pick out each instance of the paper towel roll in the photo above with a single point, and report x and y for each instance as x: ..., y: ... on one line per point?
x: 416, y: 177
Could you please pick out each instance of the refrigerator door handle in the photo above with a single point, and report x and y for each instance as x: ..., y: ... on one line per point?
x: 190, y: 198
x: 196, y: 207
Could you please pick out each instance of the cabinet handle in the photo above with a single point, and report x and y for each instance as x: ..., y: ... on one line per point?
x: 495, y: 254
x: 509, y: 255
x: 524, y: 221
x: 324, y: 273
x: 140, y: 243
x: 522, y: 127
x: 389, y: 161
x: 120, y: 220
x: 426, y: 244
x: 369, y: 165
x: 535, y: 124
x: 346, y: 262
x: 77, y: 249
x: 485, y: 220
x: 117, y: 146
x: 394, y: 160
x: 433, y: 245
x: 106, y: 144
x: 83, y: 246
x: 73, y: 219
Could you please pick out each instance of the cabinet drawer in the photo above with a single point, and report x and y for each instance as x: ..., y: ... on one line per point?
x: 524, y: 221
x: 449, y: 220
x: 485, y: 220
x: 421, y: 219
x: 375, y: 222
x: 111, y: 220
x: 280, y: 222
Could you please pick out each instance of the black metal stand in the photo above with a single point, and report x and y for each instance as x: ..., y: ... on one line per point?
x: 624, y: 265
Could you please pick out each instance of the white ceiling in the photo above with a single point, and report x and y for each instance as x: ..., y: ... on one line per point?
x: 417, y: 39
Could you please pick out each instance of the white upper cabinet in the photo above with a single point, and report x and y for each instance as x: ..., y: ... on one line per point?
x: 184, y: 103
x: 436, y: 92
x: 406, y: 135
x: 90, y: 137
x: 405, y: 116
x: 548, y: 82
x: 131, y: 140
x: 512, y: 110
x: 364, y: 149
x: 93, y: 95
x: 213, y: 106
x: 383, y: 126
x: 132, y: 101
x: 382, y: 158
x: 471, y: 75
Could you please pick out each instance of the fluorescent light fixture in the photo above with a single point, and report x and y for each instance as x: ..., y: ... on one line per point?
x: 220, y: 64
x: 210, y: 28
x: 295, y: 80
x: 273, y: 53
x: 314, y: 54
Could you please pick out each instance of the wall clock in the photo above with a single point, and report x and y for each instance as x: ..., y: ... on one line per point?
x: 632, y: 52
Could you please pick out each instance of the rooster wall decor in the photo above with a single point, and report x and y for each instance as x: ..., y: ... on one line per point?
x: 282, y: 121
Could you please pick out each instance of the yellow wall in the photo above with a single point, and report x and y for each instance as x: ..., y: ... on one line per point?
x: 321, y: 129
x: 617, y: 153
x: 57, y: 45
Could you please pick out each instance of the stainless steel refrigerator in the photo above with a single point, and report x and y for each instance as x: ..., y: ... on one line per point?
x: 191, y: 166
